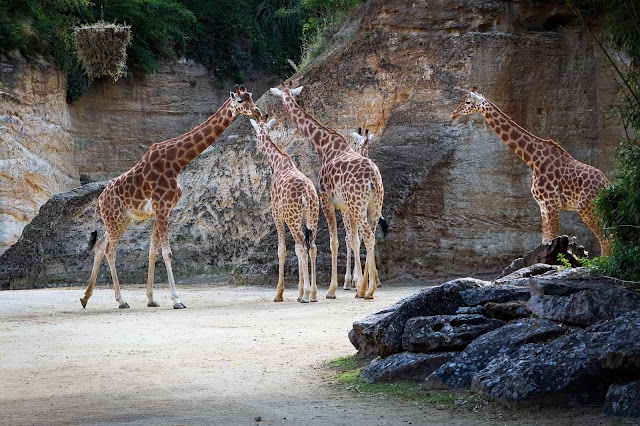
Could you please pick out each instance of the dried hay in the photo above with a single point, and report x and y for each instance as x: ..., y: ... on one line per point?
x: 102, y: 49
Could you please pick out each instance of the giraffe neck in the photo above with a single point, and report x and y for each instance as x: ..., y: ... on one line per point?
x: 194, y: 142
x: 278, y: 159
x: 530, y: 148
x: 325, y: 142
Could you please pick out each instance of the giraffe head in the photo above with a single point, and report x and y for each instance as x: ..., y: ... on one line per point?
x: 473, y: 102
x: 287, y: 89
x: 262, y: 125
x: 242, y: 103
x: 362, y: 139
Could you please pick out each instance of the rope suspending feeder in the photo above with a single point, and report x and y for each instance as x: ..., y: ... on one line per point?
x: 102, y: 48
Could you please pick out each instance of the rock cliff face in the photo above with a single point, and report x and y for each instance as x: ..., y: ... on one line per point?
x: 34, y: 126
x: 456, y: 197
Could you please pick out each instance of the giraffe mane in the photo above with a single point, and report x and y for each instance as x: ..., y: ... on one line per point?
x: 525, y: 131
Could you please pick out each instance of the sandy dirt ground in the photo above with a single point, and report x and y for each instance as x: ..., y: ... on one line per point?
x: 233, y: 357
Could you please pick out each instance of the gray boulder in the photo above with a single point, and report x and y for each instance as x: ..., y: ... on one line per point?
x: 381, y: 333
x: 405, y: 366
x: 623, y: 400
x: 569, y: 298
x: 547, y: 253
x: 459, y: 372
x: 508, y: 311
x: 496, y: 294
x: 445, y: 332
x: 577, y: 367
x: 33, y: 261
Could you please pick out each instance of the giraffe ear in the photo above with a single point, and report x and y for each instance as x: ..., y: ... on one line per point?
x: 276, y: 91
x: 254, y: 123
x: 270, y: 123
x: 232, y: 95
x: 370, y: 136
x: 296, y: 91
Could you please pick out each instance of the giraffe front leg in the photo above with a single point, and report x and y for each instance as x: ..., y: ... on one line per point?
x: 550, y: 216
x: 97, y: 260
x: 111, y: 259
x: 371, y: 272
x: 153, y: 251
x: 163, y: 236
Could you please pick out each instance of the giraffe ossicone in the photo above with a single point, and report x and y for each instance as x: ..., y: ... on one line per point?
x: 558, y: 181
x: 151, y: 188
x: 294, y: 202
x: 347, y: 181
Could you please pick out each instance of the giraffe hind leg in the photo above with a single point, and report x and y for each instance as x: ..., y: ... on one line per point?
x: 99, y: 250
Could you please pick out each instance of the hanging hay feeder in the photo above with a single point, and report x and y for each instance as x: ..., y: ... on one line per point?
x: 102, y: 49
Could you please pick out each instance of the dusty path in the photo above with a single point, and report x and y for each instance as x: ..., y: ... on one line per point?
x: 231, y: 357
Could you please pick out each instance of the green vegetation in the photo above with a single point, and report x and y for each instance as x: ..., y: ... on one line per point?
x: 350, y: 375
x: 619, y: 204
x: 234, y: 38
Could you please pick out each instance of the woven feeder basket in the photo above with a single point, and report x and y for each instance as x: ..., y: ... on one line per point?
x: 102, y: 49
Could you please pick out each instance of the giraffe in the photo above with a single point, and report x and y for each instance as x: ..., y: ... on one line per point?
x: 559, y: 181
x: 151, y: 188
x: 347, y: 181
x: 363, y: 143
x: 294, y: 201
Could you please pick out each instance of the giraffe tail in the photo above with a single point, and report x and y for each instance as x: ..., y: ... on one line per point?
x: 384, y: 225
x: 94, y: 235
x: 308, y: 229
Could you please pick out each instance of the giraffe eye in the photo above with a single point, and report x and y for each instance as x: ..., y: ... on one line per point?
x: 468, y: 102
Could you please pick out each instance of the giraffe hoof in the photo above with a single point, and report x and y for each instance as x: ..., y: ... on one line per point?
x: 84, y: 303
x: 153, y: 304
x: 367, y: 297
x: 359, y: 296
x: 123, y: 305
x: 179, y: 305
x: 330, y: 296
x: 346, y: 288
x: 279, y: 299
x: 303, y: 300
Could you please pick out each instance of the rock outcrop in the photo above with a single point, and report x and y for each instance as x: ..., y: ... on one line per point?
x: 35, y: 142
x: 584, y: 348
x: 398, y: 68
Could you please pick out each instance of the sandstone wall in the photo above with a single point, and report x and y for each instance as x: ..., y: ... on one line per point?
x: 457, y: 198
x: 34, y: 142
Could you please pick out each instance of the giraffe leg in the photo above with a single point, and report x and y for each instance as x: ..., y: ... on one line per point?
x: 348, y: 277
x: 153, y: 252
x: 304, y: 289
x: 313, y: 251
x: 163, y: 235
x: 97, y: 260
x: 330, y: 215
x: 587, y: 212
x: 282, y: 255
x: 370, y: 265
x: 111, y: 259
x: 550, y: 215
x: 358, y: 277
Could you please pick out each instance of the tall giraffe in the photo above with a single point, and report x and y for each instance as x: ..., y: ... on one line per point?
x: 363, y: 143
x: 559, y: 181
x: 151, y: 188
x: 347, y: 181
x: 294, y: 201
